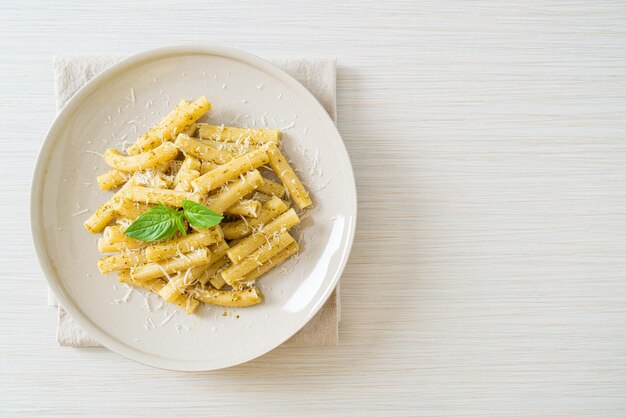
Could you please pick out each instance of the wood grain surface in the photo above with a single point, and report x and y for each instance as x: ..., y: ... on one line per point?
x: 488, y: 275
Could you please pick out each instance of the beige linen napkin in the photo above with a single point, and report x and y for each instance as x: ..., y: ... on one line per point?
x: 71, y: 72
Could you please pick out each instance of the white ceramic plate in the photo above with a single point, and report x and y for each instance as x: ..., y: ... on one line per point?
x: 246, y: 91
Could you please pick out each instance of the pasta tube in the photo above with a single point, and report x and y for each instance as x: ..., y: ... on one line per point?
x: 131, y: 210
x: 213, y: 273
x: 270, y: 187
x: 228, y: 298
x: 151, y: 271
x: 230, y: 170
x: 183, y: 245
x: 249, y: 244
x: 217, y: 282
x: 113, y: 239
x: 181, y: 121
x: 172, y: 290
x: 234, y: 191
x: 106, y: 212
x: 161, y: 181
x: 250, y: 208
x: 112, y: 179
x: 207, y: 166
x: 156, y: 132
x: 192, y: 129
x: 288, y: 177
x: 121, y: 261
x: 261, y: 197
x: 163, y: 153
x: 179, y: 283
x: 188, y: 172
x: 239, y: 135
x: 234, y: 148
x: 239, y: 229
x: 202, y: 151
x: 270, y: 264
x: 275, y: 244
x: 101, y: 217
x: 151, y: 195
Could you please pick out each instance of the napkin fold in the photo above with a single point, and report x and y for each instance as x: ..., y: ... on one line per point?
x: 71, y: 72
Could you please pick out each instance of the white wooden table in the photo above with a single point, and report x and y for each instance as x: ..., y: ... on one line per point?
x: 488, y: 275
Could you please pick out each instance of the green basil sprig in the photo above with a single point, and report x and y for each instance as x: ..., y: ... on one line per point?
x: 199, y: 216
x: 161, y: 222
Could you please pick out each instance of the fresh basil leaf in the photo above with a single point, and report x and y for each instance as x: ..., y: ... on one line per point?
x: 167, y: 209
x: 180, y: 223
x: 200, y: 216
x: 157, y: 223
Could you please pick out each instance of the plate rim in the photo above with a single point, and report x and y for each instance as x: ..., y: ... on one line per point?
x: 45, y: 155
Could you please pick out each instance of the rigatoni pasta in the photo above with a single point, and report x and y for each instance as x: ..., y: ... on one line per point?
x: 233, y: 134
x: 235, y: 191
x: 246, y: 207
x: 199, y: 274
x: 184, y: 244
x: 202, y: 151
x: 180, y: 121
x: 231, y: 298
x: 183, y: 262
x: 275, y: 244
x: 113, y: 240
x: 248, y: 245
x: 221, y: 174
x: 130, y: 163
x: 288, y: 177
x: 112, y: 179
x: 154, y: 195
x: 163, y: 227
x: 239, y: 229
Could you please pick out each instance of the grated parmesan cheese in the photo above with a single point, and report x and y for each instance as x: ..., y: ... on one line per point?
x: 167, y: 318
x: 131, y: 97
x: 150, y: 322
x: 80, y: 212
x: 127, y: 296
x: 94, y: 152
